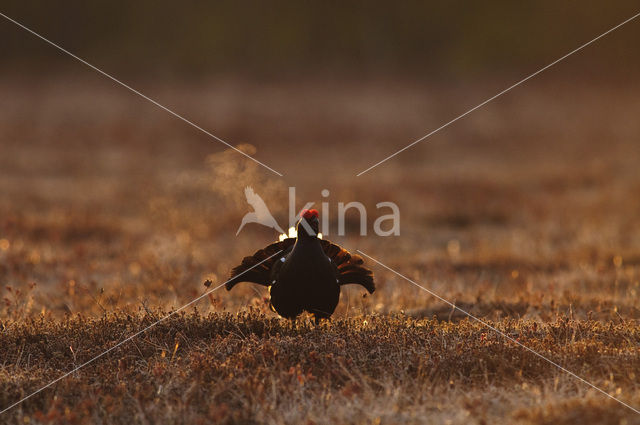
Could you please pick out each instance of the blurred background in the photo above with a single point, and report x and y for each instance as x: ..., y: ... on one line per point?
x: 106, y: 195
x: 287, y: 40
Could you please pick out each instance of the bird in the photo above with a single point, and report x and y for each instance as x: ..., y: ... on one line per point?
x: 304, y: 273
x: 260, y: 214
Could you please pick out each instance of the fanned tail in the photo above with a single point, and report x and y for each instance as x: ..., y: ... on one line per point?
x: 354, y: 272
x: 350, y: 266
x: 257, y: 267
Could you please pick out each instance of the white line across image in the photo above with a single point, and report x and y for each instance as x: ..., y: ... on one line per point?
x: 124, y: 341
x: 109, y: 76
x: 499, y: 94
x: 500, y: 332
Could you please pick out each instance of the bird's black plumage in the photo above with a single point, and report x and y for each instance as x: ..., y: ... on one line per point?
x: 303, y: 273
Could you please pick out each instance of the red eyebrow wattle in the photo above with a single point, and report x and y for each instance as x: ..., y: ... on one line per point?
x: 309, y: 213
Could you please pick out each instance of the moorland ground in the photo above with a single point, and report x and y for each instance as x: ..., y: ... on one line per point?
x: 525, y: 214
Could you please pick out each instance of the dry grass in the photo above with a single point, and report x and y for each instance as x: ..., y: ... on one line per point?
x: 525, y: 214
x: 248, y: 367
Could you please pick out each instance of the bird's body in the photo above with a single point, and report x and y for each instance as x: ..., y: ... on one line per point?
x: 303, y: 273
x: 307, y: 280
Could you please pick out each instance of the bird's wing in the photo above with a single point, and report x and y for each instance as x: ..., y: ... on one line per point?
x: 350, y: 266
x: 262, y: 213
x: 257, y: 267
x: 256, y: 201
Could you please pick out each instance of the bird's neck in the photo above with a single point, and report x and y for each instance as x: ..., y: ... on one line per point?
x: 306, y: 242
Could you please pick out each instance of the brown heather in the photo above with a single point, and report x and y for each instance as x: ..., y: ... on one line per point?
x: 525, y: 214
x: 251, y: 368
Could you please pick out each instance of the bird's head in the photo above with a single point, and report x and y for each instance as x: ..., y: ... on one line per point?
x: 309, y: 224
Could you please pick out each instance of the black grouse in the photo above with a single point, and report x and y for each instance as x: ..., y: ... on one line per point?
x: 303, y: 273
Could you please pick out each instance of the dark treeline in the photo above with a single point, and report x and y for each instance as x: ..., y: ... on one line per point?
x: 193, y: 38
